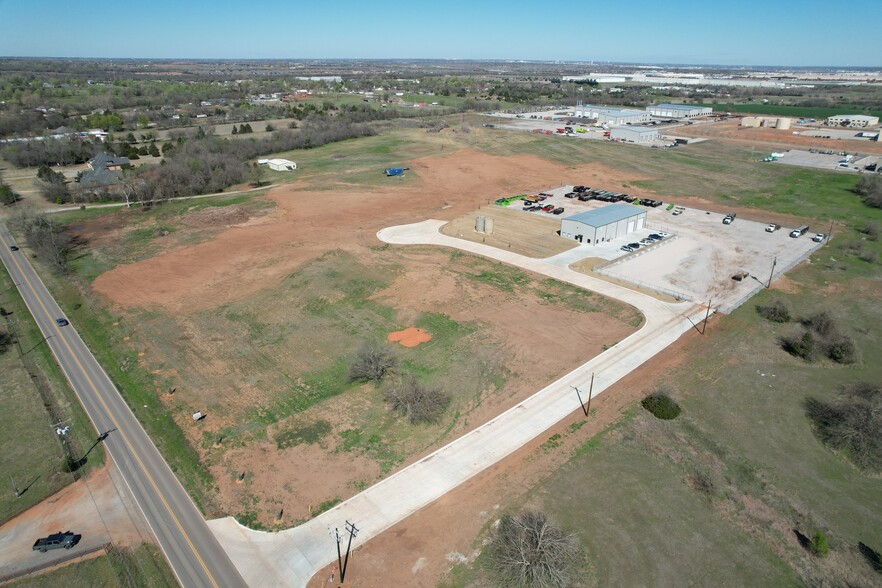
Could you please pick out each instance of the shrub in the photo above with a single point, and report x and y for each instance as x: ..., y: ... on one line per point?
x: 870, y: 189
x: 803, y: 345
x: 775, y: 311
x: 819, y: 544
x: 418, y: 403
x: 872, y: 230
x: 852, y: 423
x: 372, y: 361
x: 821, y: 323
x: 529, y: 550
x: 661, y: 405
x: 841, y: 349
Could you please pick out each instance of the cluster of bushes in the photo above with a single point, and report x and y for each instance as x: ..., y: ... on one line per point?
x: 775, y: 311
x: 7, y: 194
x: 408, y: 397
x: 821, y: 337
x: 244, y: 128
x: 869, y: 187
x: 852, y: 423
x: 661, y: 405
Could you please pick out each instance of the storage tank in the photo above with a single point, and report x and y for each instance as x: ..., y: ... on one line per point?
x: 750, y: 121
x: 488, y: 226
x: 479, y: 224
x: 783, y: 123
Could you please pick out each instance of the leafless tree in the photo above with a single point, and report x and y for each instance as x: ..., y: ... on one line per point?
x: 372, y: 362
x: 420, y: 404
x: 529, y: 551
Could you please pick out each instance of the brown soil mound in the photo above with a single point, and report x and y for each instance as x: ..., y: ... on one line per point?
x: 410, y: 337
x: 215, y: 216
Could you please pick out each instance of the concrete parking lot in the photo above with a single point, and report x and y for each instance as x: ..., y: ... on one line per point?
x: 698, y: 258
x: 816, y: 160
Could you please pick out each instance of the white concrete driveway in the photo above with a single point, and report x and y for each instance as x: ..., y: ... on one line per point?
x: 291, y: 557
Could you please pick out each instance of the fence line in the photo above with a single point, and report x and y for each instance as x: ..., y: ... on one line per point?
x: 107, y: 548
x: 729, y: 308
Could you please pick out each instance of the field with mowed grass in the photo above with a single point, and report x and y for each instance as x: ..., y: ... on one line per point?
x: 33, y: 460
x: 143, y: 566
x: 736, y: 488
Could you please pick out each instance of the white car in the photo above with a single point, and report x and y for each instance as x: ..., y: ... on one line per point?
x: 819, y: 238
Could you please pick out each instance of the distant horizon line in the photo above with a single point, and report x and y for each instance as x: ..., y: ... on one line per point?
x: 597, y: 62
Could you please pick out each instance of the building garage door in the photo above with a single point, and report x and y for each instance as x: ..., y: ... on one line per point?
x: 640, y: 222
x: 632, y: 225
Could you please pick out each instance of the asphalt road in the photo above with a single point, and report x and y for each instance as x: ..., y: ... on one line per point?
x: 179, y: 528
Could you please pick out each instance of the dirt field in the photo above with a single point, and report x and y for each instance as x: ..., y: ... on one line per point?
x: 731, y: 130
x: 274, y: 305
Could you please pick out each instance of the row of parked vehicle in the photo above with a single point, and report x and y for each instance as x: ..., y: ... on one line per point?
x: 586, y: 193
x: 549, y: 208
x: 653, y: 238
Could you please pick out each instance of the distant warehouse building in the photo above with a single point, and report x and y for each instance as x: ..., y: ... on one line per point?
x: 678, y: 110
x: 634, y: 134
x: 612, y: 116
x: 857, y: 121
x: 603, y: 224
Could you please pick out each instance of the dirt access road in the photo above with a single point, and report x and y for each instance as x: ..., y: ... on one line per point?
x: 293, y: 556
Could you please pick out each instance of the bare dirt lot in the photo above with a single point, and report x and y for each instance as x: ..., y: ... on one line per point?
x: 731, y: 130
x: 96, y: 507
x: 255, y: 326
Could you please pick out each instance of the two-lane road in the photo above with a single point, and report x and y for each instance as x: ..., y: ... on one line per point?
x: 179, y: 528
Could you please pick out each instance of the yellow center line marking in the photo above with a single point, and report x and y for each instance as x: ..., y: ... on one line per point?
x: 116, y: 424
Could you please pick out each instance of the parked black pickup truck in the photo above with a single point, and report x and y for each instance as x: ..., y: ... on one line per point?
x: 57, y: 541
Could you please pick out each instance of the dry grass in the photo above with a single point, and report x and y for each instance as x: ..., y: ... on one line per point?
x: 524, y: 233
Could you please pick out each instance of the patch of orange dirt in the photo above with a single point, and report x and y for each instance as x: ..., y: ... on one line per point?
x: 410, y: 337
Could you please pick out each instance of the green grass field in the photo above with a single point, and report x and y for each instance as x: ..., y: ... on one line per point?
x: 143, y: 566
x: 32, y: 456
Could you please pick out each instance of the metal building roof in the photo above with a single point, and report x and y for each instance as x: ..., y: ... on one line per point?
x: 679, y: 106
x: 637, y: 128
x: 605, y: 215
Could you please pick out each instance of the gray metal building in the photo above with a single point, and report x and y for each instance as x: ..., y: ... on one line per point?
x: 603, y: 224
x: 678, y: 110
x: 612, y: 115
x: 634, y: 134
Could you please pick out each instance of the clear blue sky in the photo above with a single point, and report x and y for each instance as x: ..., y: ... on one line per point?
x: 749, y: 32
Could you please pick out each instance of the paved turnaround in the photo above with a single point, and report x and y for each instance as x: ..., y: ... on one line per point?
x: 291, y: 557
x: 179, y: 528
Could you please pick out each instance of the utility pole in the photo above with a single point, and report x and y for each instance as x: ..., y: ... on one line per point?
x: 590, y: 392
x: 706, y: 316
x: 341, y: 563
x: 772, y: 273
x: 15, y: 486
x: 830, y: 232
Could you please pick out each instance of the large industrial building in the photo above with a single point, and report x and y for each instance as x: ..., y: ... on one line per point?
x: 857, y: 121
x: 603, y: 224
x: 634, y: 134
x: 612, y: 116
x: 678, y: 110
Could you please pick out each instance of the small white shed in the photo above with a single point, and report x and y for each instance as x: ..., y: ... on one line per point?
x: 281, y: 165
